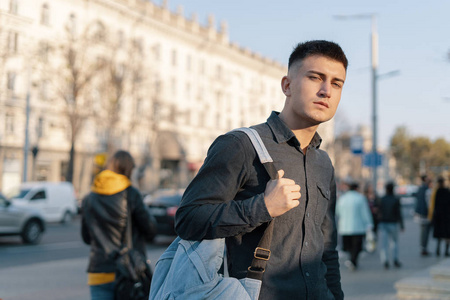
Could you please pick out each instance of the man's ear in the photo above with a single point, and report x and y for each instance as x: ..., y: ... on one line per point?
x: 286, y: 86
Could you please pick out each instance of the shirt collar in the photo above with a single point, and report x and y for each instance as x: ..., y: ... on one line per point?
x: 283, y: 134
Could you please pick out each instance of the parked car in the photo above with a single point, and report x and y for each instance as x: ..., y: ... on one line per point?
x: 23, y: 221
x: 163, y: 208
x: 407, y: 194
x: 55, y: 200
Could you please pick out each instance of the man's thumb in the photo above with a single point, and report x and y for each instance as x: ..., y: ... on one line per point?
x: 280, y: 174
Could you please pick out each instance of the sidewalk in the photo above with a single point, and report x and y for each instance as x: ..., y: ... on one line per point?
x: 372, y: 282
x: 62, y: 279
x: 66, y: 279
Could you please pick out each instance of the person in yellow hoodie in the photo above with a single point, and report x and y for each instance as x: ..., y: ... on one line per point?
x: 104, y: 219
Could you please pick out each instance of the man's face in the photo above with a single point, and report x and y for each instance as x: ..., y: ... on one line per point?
x: 313, y: 90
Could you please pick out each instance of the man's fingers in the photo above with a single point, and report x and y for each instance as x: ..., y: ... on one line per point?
x: 280, y: 174
x: 295, y: 188
x: 296, y: 196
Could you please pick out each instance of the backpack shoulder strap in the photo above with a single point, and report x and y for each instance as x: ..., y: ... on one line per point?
x: 262, y: 252
x: 261, y: 150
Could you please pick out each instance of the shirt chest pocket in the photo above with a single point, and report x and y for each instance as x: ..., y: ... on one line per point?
x: 321, y: 205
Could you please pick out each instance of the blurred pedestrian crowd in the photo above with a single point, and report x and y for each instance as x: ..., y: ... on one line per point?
x: 366, y: 221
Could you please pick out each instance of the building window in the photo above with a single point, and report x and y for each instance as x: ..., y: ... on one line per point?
x: 73, y: 24
x: 99, y: 32
x: 138, y: 45
x: 11, y: 82
x: 13, y: 39
x: 9, y: 123
x: 40, y: 127
x: 139, y: 106
x: 13, y: 6
x: 45, y: 14
x: 188, y: 91
x: 174, y: 57
x: 219, y: 72
x: 157, y: 51
x: 188, y: 63
x: 202, y: 67
x: 44, y: 49
x: 120, y: 39
x: 173, y: 85
x: 201, y: 119
x: 157, y: 86
x: 44, y: 90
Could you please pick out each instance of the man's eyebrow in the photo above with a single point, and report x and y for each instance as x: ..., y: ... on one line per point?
x: 323, y: 75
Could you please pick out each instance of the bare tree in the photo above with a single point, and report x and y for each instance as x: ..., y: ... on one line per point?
x: 124, y: 86
x: 112, y: 91
x: 71, y: 73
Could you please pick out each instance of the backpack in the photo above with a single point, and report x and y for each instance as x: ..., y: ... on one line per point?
x: 190, y: 270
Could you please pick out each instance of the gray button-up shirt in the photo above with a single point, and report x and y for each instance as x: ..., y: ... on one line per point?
x: 226, y: 199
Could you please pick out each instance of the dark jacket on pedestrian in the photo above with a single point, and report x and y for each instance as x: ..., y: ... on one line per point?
x: 441, y: 214
x: 421, y: 205
x: 389, y: 210
x: 226, y: 199
x: 104, y: 219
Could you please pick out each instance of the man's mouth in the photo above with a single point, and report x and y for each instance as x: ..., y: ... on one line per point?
x: 322, y: 103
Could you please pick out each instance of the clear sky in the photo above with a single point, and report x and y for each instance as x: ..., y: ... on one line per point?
x: 413, y: 38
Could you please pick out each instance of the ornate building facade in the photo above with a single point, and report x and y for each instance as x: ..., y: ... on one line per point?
x: 102, y: 75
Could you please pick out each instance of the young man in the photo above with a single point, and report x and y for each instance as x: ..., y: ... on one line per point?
x: 421, y: 213
x: 354, y: 219
x: 232, y: 196
x: 390, y: 219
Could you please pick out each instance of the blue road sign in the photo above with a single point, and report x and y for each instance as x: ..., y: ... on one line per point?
x: 356, y: 144
x: 371, y: 160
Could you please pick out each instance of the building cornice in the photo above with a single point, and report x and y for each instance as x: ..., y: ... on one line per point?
x: 190, y: 30
x: 13, y: 19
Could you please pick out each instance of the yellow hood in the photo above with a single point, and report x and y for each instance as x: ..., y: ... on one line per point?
x: 109, y: 183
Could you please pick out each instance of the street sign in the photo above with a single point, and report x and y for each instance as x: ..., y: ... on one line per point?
x: 371, y: 160
x: 356, y: 144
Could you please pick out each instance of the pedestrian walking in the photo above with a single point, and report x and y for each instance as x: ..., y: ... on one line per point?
x: 354, y: 220
x: 373, y: 200
x: 440, y: 211
x: 390, y: 220
x: 232, y: 197
x: 104, y: 221
x: 421, y: 213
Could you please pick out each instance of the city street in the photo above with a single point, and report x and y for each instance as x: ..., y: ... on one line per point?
x: 55, y: 269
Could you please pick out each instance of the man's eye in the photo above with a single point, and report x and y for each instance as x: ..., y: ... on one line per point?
x: 314, y: 77
x: 338, y: 85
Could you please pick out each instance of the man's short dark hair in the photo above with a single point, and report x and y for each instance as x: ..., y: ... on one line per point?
x: 318, y: 47
x: 354, y: 186
x: 424, y: 178
x: 390, y: 188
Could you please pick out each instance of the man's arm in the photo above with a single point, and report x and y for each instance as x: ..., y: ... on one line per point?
x: 208, y: 209
x: 140, y: 214
x: 330, y: 255
x: 84, y: 228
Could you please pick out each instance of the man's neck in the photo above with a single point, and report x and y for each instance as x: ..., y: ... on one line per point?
x: 303, y: 134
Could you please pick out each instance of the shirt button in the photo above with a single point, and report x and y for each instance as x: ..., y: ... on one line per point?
x: 307, y: 214
x: 307, y: 274
x: 306, y: 243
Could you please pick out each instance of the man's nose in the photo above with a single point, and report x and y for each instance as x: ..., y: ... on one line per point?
x: 325, y: 90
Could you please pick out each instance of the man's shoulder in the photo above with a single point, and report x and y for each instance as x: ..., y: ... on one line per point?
x: 323, y: 155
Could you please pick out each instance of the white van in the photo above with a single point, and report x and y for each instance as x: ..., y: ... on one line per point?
x: 55, y: 200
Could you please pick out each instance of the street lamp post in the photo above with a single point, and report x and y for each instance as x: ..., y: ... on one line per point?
x: 374, y: 63
x: 374, y: 58
x: 27, y: 124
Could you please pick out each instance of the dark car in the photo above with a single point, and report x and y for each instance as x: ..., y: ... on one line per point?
x: 163, y: 209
